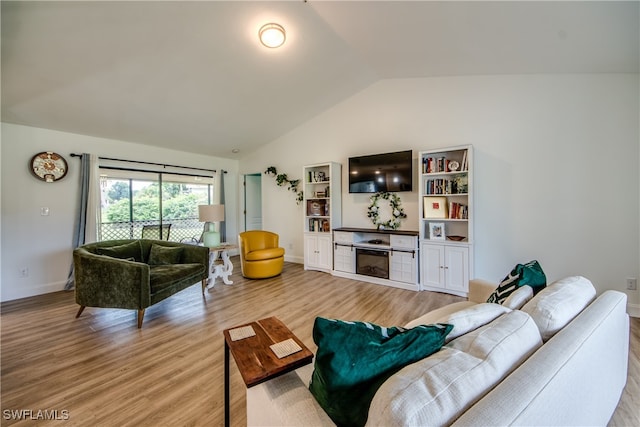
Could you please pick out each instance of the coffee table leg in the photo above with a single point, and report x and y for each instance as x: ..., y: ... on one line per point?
x: 226, y: 384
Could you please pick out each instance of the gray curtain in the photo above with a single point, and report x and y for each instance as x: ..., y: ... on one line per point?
x: 81, y: 219
x: 223, y: 225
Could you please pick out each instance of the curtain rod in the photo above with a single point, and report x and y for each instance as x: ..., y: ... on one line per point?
x: 156, y: 172
x: 151, y: 163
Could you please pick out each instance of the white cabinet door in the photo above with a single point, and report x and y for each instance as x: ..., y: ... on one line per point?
x: 403, y: 267
x: 318, y: 252
x: 433, y: 266
x: 310, y: 251
x: 445, y: 267
x: 457, y: 268
x: 325, y: 252
x: 344, y: 258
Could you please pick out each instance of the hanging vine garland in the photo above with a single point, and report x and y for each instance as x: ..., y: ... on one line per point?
x: 396, y: 211
x: 282, y: 180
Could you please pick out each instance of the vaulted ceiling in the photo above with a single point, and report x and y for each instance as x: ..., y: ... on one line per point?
x: 193, y: 75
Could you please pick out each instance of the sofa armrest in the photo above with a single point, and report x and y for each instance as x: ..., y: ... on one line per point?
x: 576, y: 378
x: 103, y: 281
x: 480, y: 289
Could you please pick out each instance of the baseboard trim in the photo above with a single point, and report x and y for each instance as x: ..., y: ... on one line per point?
x: 294, y: 259
x: 633, y: 310
x: 47, y: 288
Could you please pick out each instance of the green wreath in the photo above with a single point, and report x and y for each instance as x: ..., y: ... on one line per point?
x: 397, y: 212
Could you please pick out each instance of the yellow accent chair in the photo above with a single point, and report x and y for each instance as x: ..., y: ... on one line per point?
x: 260, y: 255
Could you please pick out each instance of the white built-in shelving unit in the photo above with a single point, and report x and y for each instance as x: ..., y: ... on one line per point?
x: 446, y: 219
x: 322, y: 213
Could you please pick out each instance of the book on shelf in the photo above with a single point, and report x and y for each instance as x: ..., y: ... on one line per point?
x: 322, y: 193
x: 317, y: 176
x: 445, y: 186
x: 435, y: 164
x: 319, y: 225
x: 441, y: 164
x: 458, y: 211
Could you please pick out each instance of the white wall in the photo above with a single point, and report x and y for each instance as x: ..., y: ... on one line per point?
x: 43, y: 244
x: 556, y: 174
x: 556, y: 166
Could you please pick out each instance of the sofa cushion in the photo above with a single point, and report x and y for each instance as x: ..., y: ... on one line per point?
x: 354, y: 358
x: 162, y: 277
x: 471, y: 318
x: 437, y: 389
x: 556, y: 305
x: 262, y: 254
x: 432, y: 316
x: 126, y: 251
x: 518, y: 298
x: 164, y: 255
x: 530, y: 274
x: 465, y: 316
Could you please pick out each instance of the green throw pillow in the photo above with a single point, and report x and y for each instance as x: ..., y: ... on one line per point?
x: 529, y: 274
x: 164, y: 255
x: 126, y: 251
x: 355, y: 358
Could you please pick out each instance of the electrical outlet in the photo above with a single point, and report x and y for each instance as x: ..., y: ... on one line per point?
x: 632, y: 283
x: 290, y: 246
x: 24, y: 272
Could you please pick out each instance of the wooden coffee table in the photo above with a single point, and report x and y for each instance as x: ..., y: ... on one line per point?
x: 256, y: 361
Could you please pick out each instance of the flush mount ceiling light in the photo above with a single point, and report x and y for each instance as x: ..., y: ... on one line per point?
x: 272, y: 35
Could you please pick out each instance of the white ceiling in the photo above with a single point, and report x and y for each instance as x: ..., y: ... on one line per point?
x: 193, y: 76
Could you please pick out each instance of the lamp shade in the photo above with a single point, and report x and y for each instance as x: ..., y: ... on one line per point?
x: 211, y: 213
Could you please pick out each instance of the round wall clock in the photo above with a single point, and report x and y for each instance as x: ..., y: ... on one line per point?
x: 48, y: 166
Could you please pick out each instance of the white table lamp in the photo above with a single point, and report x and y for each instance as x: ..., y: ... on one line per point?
x: 211, y: 214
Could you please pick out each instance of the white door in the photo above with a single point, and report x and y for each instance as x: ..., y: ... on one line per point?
x: 253, y: 202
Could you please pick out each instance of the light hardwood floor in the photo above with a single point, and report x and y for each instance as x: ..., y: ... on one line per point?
x: 106, y: 372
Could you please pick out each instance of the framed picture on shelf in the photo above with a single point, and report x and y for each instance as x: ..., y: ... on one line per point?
x: 315, y: 207
x: 436, y: 231
x: 435, y: 207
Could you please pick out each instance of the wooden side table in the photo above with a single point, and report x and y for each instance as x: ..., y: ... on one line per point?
x: 255, y: 359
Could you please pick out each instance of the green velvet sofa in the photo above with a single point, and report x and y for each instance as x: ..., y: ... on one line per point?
x: 135, y: 274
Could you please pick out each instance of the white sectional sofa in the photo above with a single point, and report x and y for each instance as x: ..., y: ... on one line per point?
x: 558, y: 359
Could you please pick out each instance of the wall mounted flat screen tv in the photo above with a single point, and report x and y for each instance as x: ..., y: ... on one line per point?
x: 381, y: 172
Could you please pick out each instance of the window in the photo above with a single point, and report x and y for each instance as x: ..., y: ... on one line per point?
x: 133, y: 199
